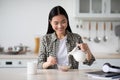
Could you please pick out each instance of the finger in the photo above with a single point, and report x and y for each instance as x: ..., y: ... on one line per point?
x: 83, y: 46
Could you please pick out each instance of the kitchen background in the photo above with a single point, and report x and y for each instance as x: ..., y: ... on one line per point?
x: 23, y: 20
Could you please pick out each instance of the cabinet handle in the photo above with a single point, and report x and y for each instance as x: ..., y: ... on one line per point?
x: 8, y: 62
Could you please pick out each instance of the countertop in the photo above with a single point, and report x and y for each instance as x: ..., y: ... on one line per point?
x: 45, y: 74
x: 23, y: 56
x: 35, y: 56
x: 107, y: 55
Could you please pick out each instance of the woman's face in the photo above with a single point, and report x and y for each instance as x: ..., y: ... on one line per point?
x: 59, y: 24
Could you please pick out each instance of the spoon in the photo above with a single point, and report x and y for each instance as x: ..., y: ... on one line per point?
x: 89, y: 38
x: 105, y: 37
x: 111, y: 28
x: 97, y: 39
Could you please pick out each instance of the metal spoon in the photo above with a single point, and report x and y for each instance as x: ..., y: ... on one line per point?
x: 111, y: 28
x: 104, y: 37
x: 89, y: 38
x: 97, y: 39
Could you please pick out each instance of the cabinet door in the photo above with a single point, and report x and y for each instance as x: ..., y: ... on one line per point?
x: 106, y: 7
x: 115, y: 7
x: 89, y: 8
x: 15, y: 63
x: 111, y: 9
x: 96, y: 7
x: 84, y: 6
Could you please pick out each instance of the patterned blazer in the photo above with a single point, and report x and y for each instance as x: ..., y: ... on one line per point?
x: 49, y: 46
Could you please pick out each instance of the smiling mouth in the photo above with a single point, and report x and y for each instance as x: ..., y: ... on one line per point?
x: 60, y: 29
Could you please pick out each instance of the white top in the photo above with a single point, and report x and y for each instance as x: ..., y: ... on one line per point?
x: 62, y: 57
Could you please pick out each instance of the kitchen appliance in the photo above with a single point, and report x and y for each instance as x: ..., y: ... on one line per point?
x: 78, y: 55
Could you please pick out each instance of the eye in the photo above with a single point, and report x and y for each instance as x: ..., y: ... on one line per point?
x: 55, y: 23
x: 64, y: 21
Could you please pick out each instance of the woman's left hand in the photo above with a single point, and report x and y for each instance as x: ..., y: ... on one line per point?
x: 84, y: 47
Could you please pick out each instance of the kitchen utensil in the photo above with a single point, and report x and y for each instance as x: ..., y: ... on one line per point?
x: 97, y: 39
x: 20, y: 49
x: 117, y: 33
x: 89, y: 38
x: 77, y: 26
x: 104, y: 37
x: 77, y: 54
x: 111, y: 28
x: 81, y: 23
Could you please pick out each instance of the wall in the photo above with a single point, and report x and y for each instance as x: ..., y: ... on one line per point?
x: 22, y: 20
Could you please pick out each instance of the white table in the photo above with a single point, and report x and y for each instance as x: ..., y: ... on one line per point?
x: 21, y: 74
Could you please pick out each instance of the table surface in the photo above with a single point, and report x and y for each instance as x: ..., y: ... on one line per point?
x: 44, y: 74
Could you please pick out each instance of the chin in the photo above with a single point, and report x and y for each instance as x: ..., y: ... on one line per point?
x: 61, y: 32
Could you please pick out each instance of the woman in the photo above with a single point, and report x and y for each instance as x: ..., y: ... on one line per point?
x: 59, y: 41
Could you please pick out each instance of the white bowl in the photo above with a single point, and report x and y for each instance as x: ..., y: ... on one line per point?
x: 63, y: 67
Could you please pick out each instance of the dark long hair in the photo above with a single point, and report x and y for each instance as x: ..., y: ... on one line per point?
x: 54, y: 12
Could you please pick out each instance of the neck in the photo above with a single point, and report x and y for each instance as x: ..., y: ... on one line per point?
x: 61, y: 36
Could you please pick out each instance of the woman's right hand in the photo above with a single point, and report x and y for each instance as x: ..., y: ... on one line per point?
x: 50, y: 61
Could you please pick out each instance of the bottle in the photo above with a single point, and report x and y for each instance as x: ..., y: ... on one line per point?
x: 37, y: 44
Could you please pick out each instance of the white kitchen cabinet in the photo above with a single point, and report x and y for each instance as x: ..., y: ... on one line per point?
x: 99, y: 63
x: 98, y: 9
x: 15, y: 63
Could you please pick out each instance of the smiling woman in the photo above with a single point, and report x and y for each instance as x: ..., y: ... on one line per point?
x: 59, y: 41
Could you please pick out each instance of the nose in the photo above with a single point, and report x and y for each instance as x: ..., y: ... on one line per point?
x: 59, y: 25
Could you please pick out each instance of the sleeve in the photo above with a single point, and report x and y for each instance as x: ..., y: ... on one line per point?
x: 89, y: 62
x: 79, y: 39
x: 42, y: 55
